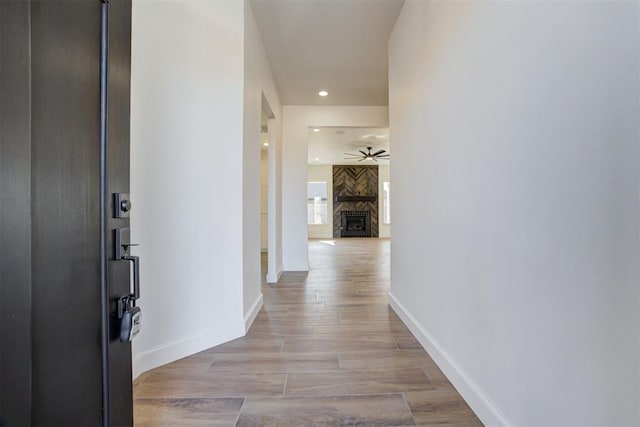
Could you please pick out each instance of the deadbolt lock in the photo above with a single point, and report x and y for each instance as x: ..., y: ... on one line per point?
x: 121, y: 205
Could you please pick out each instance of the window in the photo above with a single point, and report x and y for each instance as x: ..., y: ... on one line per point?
x: 317, y: 202
x: 386, y: 211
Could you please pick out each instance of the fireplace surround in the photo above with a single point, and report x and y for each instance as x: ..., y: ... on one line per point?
x: 355, y: 188
x: 355, y: 224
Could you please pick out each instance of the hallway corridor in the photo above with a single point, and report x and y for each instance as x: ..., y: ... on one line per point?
x: 325, y: 350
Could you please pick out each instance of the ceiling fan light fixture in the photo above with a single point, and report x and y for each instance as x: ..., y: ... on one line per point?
x: 368, y: 155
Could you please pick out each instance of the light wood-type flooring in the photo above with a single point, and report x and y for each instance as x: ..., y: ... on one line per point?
x: 325, y: 350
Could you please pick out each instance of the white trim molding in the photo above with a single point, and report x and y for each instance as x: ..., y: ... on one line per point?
x: 484, y: 408
x: 172, y: 352
x: 253, y: 312
x: 274, y: 278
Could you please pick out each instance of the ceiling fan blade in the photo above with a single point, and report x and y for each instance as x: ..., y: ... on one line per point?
x: 378, y: 152
x: 363, y: 153
x: 362, y: 159
x: 354, y: 155
x: 382, y: 155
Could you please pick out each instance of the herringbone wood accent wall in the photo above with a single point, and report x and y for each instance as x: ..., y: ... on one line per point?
x: 355, y: 181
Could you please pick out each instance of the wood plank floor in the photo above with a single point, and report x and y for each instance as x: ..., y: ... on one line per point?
x: 325, y: 350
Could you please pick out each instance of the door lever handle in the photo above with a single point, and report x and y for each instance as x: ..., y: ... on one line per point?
x: 135, y: 260
x: 129, y: 315
x: 122, y: 246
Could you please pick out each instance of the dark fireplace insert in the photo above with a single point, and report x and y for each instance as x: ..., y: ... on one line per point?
x: 355, y: 224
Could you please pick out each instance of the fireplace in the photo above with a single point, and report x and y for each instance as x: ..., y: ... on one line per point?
x: 355, y: 224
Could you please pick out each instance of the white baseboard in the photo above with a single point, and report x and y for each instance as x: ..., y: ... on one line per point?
x: 274, y: 277
x: 175, y: 351
x: 253, y: 312
x: 484, y: 408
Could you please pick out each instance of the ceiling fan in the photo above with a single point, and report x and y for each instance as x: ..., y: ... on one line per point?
x: 368, y: 155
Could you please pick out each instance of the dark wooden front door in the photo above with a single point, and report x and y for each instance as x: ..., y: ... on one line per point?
x: 61, y: 360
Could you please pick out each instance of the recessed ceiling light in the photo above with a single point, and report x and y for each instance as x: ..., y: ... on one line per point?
x: 323, y: 93
x: 316, y: 159
x: 266, y: 144
x: 316, y: 130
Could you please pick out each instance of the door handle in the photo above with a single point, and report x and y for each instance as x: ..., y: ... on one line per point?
x: 123, y: 246
x: 129, y: 315
x: 135, y: 260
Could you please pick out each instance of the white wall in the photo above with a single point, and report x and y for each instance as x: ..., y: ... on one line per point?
x: 516, y: 139
x: 264, y: 196
x: 186, y: 175
x: 384, y: 175
x: 296, y: 122
x: 258, y: 80
x: 320, y: 173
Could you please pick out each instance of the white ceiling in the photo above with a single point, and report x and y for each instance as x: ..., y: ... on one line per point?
x: 327, y: 147
x: 336, y: 45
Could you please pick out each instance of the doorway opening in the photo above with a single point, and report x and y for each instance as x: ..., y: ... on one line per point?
x: 270, y: 239
x: 348, y: 182
x: 348, y: 204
